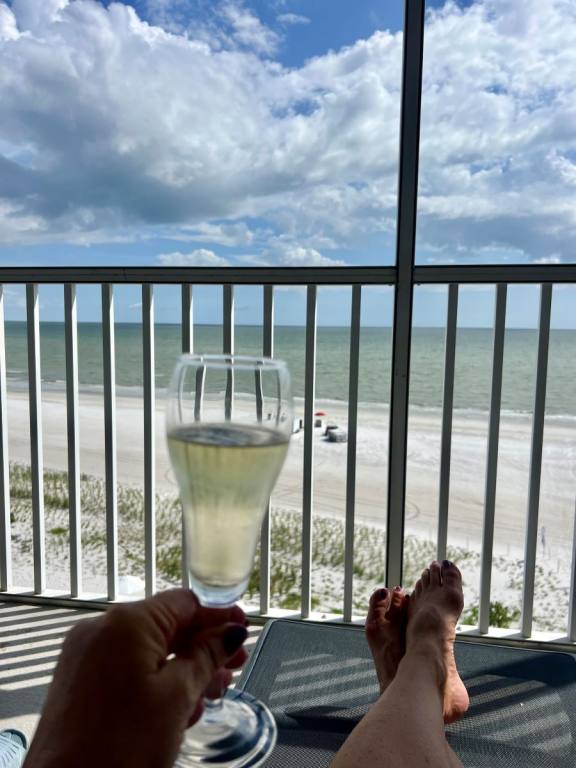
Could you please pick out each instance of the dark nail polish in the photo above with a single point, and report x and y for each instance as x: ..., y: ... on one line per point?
x: 447, y: 564
x: 233, y: 638
x: 382, y: 594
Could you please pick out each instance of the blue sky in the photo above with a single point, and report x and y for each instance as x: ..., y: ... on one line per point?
x: 265, y: 132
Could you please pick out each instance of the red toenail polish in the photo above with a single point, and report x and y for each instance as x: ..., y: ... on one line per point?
x: 382, y: 594
x: 447, y: 564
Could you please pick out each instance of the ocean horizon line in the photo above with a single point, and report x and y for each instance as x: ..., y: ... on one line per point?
x: 137, y: 324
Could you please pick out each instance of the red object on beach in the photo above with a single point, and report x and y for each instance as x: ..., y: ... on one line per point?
x: 320, y: 413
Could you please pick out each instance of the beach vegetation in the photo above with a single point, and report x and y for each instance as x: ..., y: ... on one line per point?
x: 504, y: 616
x: 327, y: 587
x: 58, y: 530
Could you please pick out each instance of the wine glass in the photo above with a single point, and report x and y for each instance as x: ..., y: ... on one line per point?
x: 229, y: 420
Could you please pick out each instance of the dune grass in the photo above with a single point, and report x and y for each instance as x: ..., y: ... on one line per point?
x: 286, y: 526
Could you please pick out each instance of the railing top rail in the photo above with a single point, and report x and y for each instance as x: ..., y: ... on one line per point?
x: 441, y: 274
x: 496, y: 273
x: 199, y: 275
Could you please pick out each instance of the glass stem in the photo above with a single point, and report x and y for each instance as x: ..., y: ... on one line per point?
x: 213, y: 705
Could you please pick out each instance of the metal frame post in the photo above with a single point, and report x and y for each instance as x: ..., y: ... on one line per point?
x: 405, y: 251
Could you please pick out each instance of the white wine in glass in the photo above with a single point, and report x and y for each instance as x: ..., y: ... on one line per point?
x: 229, y: 421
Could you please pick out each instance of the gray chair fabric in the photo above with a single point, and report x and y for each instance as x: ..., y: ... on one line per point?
x: 319, y: 680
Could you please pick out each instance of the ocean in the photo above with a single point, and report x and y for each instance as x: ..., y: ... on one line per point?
x: 472, y: 377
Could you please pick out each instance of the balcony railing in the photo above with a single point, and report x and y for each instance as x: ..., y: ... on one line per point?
x: 357, y: 280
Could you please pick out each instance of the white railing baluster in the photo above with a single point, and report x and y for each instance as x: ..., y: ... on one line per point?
x: 109, y: 369
x: 308, y: 470
x: 37, y: 465
x: 355, y: 315
x: 268, y: 351
x: 5, y: 535
x: 149, y: 438
x: 187, y: 349
x: 447, y: 410
x: 492, y: 459
x: 228, y: 346
x: 536, y: 460
x: 74, y: 510
x: 572, y: 605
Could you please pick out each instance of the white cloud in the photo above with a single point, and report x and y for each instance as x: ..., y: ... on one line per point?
x: 201, y: 257
x: 281, y: 252
x: 233, y: 234
x: 8, y: 28
x: 497, y: 153
x: 110, y: 126
x: 171, y: 15
x: 287, y: 254
x: 247, y: 29
x: 308, y: 257
x: 552, y: 259
x: 292, y: 18
x: 126, y: 125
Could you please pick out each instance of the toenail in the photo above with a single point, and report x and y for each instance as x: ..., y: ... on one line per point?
x: 447, y: 564
x: 397, y: 589
x: 382, y: 594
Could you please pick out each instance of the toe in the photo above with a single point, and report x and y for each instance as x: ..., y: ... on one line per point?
x: 450, y: 574
x: 378, y: 605
x: 417, y: 589
x: 452, y: 583
x: 425, y: 578
x: 435, y: 574
x: 397, y: 603
x: 398, y: 596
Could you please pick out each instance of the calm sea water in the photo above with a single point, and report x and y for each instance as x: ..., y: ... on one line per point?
x: 473, y: 361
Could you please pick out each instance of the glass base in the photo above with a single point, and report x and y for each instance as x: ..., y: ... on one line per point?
x: 214, y: 596
x: 237, y: 732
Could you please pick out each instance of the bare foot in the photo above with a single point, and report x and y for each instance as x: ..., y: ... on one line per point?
x: 433, y: 611
x: 386, y: 632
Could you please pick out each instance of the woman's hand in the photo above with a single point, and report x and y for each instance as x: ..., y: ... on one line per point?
x: 118, y: 700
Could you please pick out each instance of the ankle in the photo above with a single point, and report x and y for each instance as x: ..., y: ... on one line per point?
x: 424, y: 658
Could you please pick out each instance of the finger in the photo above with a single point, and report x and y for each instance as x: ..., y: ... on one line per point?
x: 238, y: 660
x: 172, y: 612
x: 206, y: 618
x: 212, y: 649
x: 196, y: 712
x: 216, y: 688
x: 211, y: 617
x: 178, y: 614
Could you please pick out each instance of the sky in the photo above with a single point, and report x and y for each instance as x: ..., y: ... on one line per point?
x: 265, y: 132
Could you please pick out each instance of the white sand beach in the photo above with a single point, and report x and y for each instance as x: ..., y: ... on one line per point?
x: 467, y: 471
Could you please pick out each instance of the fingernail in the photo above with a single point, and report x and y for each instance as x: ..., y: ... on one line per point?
x: 382, y: 594
x: 233, y: 638
x: 447, y: 564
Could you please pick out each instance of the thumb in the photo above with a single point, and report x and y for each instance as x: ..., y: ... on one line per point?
x: 191, y: 671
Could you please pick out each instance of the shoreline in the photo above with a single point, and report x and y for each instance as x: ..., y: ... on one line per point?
x: 58, y: 387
